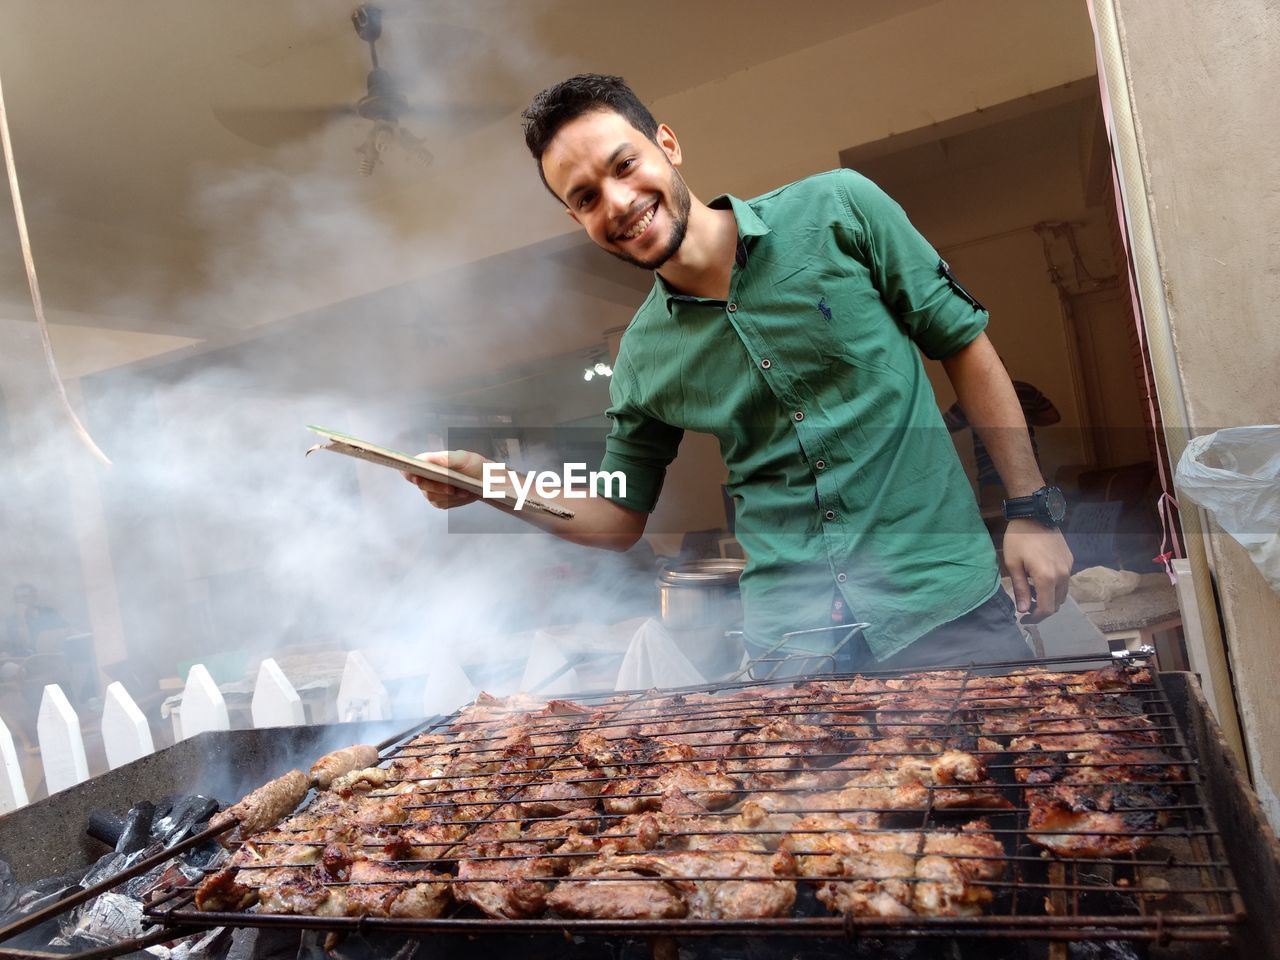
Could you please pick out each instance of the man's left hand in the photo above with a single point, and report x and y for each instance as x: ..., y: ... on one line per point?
x: 1039, y: 561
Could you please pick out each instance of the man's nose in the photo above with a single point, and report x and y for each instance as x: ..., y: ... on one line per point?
x: 618, y: 199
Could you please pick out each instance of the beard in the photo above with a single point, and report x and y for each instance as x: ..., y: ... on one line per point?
x: 679, y: 227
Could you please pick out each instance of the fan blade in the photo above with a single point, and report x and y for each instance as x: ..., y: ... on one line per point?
x: 456, y: 117
x: 277, y: 126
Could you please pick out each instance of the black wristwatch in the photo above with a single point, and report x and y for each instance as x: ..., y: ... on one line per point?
x: 1046, y: 506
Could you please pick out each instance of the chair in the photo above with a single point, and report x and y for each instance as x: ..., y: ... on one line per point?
x: 39, y: 671
x: 1091, y: 530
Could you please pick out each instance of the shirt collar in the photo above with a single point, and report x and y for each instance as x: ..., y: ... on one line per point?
x: 750, y: 226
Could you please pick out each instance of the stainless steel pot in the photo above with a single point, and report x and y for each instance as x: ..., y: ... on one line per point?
x: 701, y: 595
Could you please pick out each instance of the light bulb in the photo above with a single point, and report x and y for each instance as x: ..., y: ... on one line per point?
x: 603, y: 369
x: 384, y: 136
x: 587, y: 374
x: 368, y: 153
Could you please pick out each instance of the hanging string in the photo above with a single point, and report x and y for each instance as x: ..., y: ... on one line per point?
x: 34, y: 284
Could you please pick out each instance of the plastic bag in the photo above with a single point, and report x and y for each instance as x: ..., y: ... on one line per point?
x: 1235, y: 475
x: 1101, y: 584
x: 655, y: 660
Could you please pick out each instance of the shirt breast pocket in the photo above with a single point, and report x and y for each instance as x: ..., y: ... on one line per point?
x: 836, y: 322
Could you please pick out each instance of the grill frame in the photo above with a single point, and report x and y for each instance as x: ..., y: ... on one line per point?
x: 1149, y: 923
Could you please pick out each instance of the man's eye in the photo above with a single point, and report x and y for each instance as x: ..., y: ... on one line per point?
x: 625, y: 164
x: 585, y: 200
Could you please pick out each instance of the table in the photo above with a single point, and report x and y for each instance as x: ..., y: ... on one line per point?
x: 1146, y: 617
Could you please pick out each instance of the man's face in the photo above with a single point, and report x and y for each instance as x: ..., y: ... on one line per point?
x: 623, y: 188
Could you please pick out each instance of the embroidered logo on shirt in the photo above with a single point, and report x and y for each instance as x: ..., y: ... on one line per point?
x: 823, y: 308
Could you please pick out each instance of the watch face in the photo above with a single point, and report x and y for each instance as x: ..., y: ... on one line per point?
x: 1055, y: 504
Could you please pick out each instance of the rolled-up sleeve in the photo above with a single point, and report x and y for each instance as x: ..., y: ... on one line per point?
x: 939, y: 315
x: 639, y: 447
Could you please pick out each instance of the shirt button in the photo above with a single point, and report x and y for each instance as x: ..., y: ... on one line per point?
x: 733, y: 306
x: 798, y: 415
x: 830, y: 514
x: 766, y: 363
x: 841, y: 578
x: 821, y: 464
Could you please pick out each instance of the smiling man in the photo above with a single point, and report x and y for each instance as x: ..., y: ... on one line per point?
x: 790, y: 327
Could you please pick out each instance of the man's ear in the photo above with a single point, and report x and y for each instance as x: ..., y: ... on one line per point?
x: 573, y: 216
x: 666, y: 138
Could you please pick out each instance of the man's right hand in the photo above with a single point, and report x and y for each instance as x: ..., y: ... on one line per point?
x: 445, y: 495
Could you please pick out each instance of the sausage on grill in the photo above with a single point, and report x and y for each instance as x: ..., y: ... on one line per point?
x: 333, y: 765
x: 263, y: 808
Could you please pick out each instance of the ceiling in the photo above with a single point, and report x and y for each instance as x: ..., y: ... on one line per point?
x: 165, y: 230
x: 136, y: 189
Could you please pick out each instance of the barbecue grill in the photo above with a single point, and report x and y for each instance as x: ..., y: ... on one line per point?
x: 1174, y: 882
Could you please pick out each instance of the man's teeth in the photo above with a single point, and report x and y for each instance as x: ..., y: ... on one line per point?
x: 640, y: 225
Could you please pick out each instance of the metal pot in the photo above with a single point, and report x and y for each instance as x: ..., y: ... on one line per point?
x: 701, y: 595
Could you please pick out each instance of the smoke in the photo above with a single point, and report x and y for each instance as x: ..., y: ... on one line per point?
x: 213, y: 538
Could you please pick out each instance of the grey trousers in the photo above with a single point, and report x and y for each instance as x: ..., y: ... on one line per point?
x: 989, y: 633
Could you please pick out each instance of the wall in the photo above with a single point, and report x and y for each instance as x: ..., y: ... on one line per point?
x: 1202, y: 79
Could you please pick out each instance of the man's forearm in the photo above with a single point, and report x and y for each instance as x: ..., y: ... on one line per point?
x: 597, y: 521
x: 991, y: 405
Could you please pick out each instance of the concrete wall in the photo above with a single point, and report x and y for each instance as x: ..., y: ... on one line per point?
x: 1202, y: 78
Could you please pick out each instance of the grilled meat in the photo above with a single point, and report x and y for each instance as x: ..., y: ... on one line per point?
x: 707, y: 805
x: 698, y: 879
x: 897, y: 873
x: 766, y: 756
x: 335, y: 764
x: 263, y: 808
x: 624, y: 893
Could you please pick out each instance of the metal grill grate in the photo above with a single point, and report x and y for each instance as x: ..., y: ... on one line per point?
x: 819, y: 748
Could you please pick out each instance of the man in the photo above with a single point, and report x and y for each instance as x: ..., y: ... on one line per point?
x: 787, y: 327
x: 29, y: 619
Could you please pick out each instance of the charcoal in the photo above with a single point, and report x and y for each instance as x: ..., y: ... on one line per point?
x: 105, y: 919
x: 105, y: 827
x: 374, y: 946
x: 311, y: 946
x: 44, y: 893
x: 204, y: 946
x: 254, y: 943
x: 109, y: 866
x: 172, y: 872
x: 137, y: 828
x: 182, y: 816
x: 1103, y: 950
x: 205, y: 854
x: 8, y: 888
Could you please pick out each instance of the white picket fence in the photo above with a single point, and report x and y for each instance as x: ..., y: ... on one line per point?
x: 126, y: 734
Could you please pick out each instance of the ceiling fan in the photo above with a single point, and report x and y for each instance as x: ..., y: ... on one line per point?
x: 384, y: 106
x: 383, y: 103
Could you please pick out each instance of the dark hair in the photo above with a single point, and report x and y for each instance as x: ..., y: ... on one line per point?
x: 570, y: 99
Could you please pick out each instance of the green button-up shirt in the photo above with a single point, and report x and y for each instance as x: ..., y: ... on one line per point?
x: 842, y: 472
